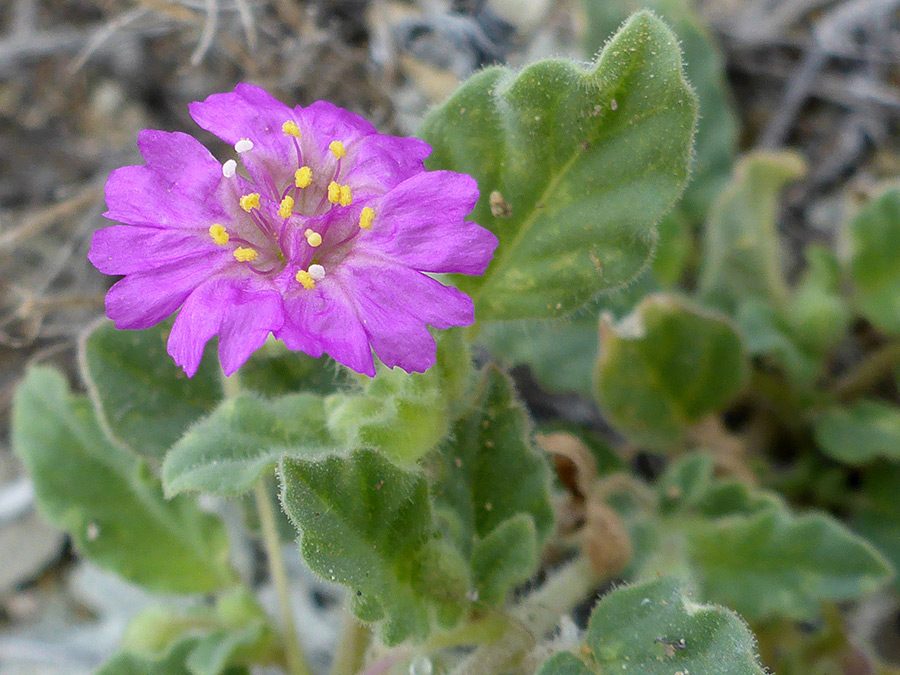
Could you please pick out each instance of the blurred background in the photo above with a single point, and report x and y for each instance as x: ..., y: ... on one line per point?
x: 80, y: 78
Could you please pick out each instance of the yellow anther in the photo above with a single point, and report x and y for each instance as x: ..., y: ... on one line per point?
x: 337, y: 149
x: 219, y: 234
x: 334, y: 192
x: 303, y: 177
x: 286, y: 207
x: 250, y: 201
x: 306, y: 279
x: 366, y: 216
x: 346, y: 195
x: 313, y: 238
x: 242, y: 254
x: 291, y: 129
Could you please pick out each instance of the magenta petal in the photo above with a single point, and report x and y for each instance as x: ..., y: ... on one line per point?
x: 252, y: 113
x: 143, y: 299
x: 242, y: 319
x: 421, y: 223
x: 180, y: 187
x: 328, y: 313
x: 125, y: 249
x: 246, y: 325
x: 383, y: 162
x: 330, y: 123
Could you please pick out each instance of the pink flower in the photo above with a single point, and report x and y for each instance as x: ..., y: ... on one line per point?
x: 327, y: 243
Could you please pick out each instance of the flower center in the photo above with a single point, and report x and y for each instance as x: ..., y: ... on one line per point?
x: 281, y: 225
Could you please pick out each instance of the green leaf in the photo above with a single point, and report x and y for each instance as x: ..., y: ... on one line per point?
x: 230, y: 450
x: 173, y: 662
x: 274, y: 370
x: 860, y: 432
x: 818, y: 313
x: 507, y: 556
x: 236, y: 631
x: 742, y: 251
x: 560, y: 352
x: 488, y: 471
x: 875, y: 260
x: 766, y: 332
x: 135, y: 385
x: 106, y: 498
x: 878, y: 519
x: 774, y: 564
x: 654, y: 628
x: 716, y: 141
x: 564, y: 663
x: 367, y: 524
x: 586, y: 160
x: 665, y: 367
x: 404, y: 415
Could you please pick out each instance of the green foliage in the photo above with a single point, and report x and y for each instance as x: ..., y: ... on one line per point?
x: 875, y: 260
x: 404, y: 415
x: 665, y: 367
x: 878, y: 517
x: 490, y: 486
x: 742, y: 252
x: 654, y: 628
x: 106, y: 498
x: 716, y: 140
x: 135, y: 385
x: 230, y: 450
x: 860, y: 432
x: 586, y: 162
x: 206, y: 640
x: 273, y: 371
x: 367, y: 524
x: 747, y: 550
x: 173, y: 662
x: 775, y: 564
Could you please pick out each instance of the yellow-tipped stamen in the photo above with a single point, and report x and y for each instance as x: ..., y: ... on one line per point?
x: 306, y: 279
x: 286, y: 207
x: 366, y: 216
x: 291, y: 129
x: 337, y: 149
x: 314, y: 239
x: 219, y: 234
x: 250, y: 201
x: 242, y: 254
x: 303, y: 177
x: 334, y: 192
x: 346, y: 195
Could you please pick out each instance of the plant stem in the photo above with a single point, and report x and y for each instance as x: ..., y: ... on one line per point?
x: 535, y: 616
x: 296, y: 662
x: 868, y: 372
x: 351, y: 648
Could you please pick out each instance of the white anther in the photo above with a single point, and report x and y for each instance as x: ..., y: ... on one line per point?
x: 228, y: 168
x: 243, y: 145
x: 317, y: 272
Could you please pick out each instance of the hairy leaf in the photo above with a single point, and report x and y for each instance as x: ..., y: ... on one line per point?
x: 367, y: 524
x: 860, y: 432
x: 227, y: 452
x: 135, y: 385
x: 716, y: 141
x: 106, y: 498
x: 580, y: 165
x: 774, y: 564
x: 875, y: 260
x: 742, y: 252
x: 665, y: 367
x: 654, y: 628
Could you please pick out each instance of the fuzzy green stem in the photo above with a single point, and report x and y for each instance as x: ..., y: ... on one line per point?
x: 272, y: 543
x: 352, y: 643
